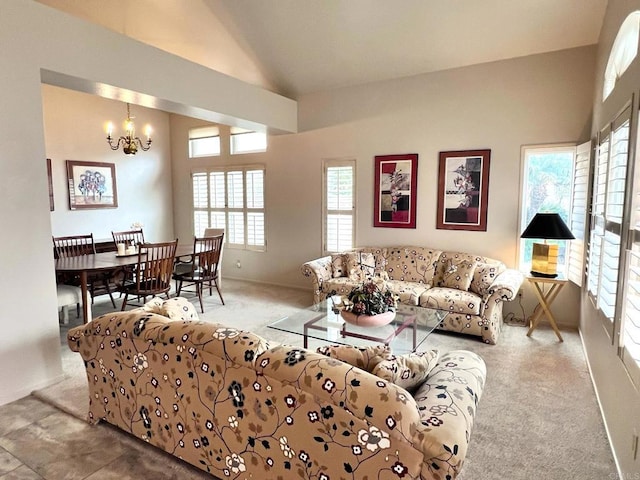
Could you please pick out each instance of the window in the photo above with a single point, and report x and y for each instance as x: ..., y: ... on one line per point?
x: 204, y: 142
x: 578, y: 218
x: 233, y: 199
x: 547, y: 187
x: 630, y: 337
x: 623, y: 51
x: 246, y: 141
x: 339, y: 205
x: 607, y: 208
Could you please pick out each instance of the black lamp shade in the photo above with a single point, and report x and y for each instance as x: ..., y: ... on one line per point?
x: 547, y: 226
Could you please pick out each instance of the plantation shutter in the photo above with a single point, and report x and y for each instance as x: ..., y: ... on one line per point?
x: 578, y: 217
x: 339, y: 198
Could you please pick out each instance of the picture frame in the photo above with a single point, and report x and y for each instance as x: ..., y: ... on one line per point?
x: 50, y: 180
x: 91, y: 185
x: 463, y: 190
x: 395, y: 197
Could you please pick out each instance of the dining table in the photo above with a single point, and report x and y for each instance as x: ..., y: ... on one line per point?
x: 83, y: 265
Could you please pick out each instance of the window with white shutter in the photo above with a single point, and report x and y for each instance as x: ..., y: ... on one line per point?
x: 339, y: 205
x: 578, y: 217
x: 630, y: 331
x: 609, y: 186
x: 231, y: 198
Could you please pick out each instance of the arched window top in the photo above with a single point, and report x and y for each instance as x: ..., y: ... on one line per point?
x: 624, y: 50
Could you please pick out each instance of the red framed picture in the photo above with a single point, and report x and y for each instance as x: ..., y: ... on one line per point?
x: 463, y: 190
x: 396, y: 181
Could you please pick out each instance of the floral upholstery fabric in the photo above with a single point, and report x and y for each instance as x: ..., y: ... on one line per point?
x: 421, y: 267
x: 484, y: 275
x: 338, y: 265
x: 452, y: 300
x: 360, y: 266
x: 407, y: 292
x: 176, y: 308
x: 458, y: 274
x: 227, y: 402
x: 407, y: 371
x: 365, y: 358
x: 412, y: 264
x: 445, y: 262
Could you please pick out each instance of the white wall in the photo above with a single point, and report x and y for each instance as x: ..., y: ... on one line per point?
x: 619, y: 399
x: 501, y: 106
x: 74, y: 126
x: 39, y: 42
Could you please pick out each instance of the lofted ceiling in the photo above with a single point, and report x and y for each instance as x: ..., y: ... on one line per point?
x: 311, y: 45
x: 296, y: 47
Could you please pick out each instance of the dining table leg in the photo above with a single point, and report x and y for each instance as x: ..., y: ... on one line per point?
x: 86, y: 297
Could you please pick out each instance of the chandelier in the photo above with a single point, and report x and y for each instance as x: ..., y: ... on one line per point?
x: 129, y: 142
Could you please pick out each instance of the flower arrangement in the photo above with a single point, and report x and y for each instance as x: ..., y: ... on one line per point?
x: 370, y: 298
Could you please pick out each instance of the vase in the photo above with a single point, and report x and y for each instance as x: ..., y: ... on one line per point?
x: 368, y: 320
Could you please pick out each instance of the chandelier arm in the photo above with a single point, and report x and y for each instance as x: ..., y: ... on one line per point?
x: 141, y: 145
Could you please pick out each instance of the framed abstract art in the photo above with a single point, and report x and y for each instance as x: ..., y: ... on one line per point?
x: 463, y: 190
x: 396, y: 181
x: 91, y: 185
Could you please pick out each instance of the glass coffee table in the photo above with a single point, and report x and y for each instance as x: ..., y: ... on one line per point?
x: 408, y: 330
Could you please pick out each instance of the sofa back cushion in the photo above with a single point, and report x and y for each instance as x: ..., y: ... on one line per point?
x: 484, y: 275
x: 407, y: 371
x: 412, y: 264
x: 448, y: 260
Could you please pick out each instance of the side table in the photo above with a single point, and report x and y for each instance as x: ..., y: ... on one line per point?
x: 545, y: 299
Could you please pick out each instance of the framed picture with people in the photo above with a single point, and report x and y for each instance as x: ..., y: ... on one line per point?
x: 91, y: 185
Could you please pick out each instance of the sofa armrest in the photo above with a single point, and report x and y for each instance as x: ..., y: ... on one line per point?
x: 382, y: 404
x: 318, y: 270
x: 505, y: 287
x: 448, y: 400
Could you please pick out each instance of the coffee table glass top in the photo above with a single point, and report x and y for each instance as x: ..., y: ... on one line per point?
x: 411, y: 326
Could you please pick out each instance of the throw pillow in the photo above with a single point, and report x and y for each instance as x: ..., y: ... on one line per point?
x: 458, y: 274
x: 177, y: 308
x: 360, y: 266
x: 365, y: 358
x: 407, y: 371
x: 338, y: 265
x: 484, y: 275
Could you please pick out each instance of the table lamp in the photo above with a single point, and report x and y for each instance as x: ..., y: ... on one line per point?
x: 544, y: 261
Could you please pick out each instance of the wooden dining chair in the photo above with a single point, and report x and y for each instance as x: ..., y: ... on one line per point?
x: 128, y: 236
x: 204, y: 267
x: 152, y: 274
x: 212, y: 232
x: 76, y: 246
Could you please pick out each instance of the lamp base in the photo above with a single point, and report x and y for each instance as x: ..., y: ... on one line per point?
x: 543, y: 275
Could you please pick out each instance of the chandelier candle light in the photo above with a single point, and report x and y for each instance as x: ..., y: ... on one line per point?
x: 129, y: 142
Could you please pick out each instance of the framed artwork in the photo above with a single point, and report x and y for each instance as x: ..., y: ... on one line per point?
x: 49, y: 176
x: 463, y: 190
x: 396, y: 181
x: 91, y: 185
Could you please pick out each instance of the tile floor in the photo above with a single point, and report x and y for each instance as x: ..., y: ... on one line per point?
x: 38, y: 441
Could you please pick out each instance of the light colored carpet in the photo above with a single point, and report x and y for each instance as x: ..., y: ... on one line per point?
x: 538, y: 416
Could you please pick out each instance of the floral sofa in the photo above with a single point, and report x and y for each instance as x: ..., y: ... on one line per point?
x: 471, y: 288
x: 236, y: 406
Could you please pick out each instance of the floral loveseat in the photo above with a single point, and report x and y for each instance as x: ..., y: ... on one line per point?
x: 234, y: 405
x: 469, y: 287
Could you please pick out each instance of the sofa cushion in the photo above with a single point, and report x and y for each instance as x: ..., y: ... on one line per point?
x: 341, y: 286
x: 412, y: 264
x: 458, y: 273
x: 452, y: 300
x: 338, y: 265
x: 360, y: 266
x: 176, y: 308
x: 444, y: 264
x: 407, y: 371
x: 484, y: 275
x: 407, y: 292
x: 365, y: 358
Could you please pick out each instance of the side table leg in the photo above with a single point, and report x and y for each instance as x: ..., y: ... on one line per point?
x: 545, y: 302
